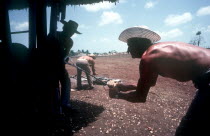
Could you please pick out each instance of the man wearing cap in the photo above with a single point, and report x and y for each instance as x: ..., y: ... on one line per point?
x: 84, y: 63
x: 176, y: 60
x: 62, y: 43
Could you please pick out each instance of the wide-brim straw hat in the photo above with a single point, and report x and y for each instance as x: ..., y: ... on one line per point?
x: 71, y: 25
x: 92, y: 55
x: 139, y: 32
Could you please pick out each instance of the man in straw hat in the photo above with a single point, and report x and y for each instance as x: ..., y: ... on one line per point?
x: 60, y: 47
x: 176, y: 60
x: 85, y: 62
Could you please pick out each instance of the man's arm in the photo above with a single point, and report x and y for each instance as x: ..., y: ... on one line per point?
x: 93, y: 67
x: 148, y: 78
x: 126, y: 87
x: 68, y: 46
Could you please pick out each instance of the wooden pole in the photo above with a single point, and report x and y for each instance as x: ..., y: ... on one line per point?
x: 32, y: 25
x: 53, y: 19
x: 5, y: 24
x: 41, y: 23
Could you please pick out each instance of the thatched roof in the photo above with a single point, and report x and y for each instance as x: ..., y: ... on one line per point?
x: 21, y: 4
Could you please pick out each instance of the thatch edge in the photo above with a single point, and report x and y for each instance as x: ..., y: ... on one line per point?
x: 23, y: 4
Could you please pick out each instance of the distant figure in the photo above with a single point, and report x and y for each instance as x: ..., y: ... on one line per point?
x: 85, y: 62
x: 60, y: 46
x: 176, y: 60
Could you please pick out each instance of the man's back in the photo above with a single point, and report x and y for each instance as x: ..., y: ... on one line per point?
x: 177, y: 60
x: 89, y: 59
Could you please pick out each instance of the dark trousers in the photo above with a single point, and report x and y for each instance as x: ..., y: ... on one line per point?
x: 86, y: 68
x: 65, y: 87
x: 197, y: 119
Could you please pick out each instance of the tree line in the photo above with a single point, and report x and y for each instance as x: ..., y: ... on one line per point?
x: 75, y: 53
x: 198, y: 40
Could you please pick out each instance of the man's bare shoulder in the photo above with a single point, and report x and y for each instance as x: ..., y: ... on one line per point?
x: 176, y: 51
x: 169, y: 47
x: 153, y: 50
x: 86, y: 57
x: 165, y: 49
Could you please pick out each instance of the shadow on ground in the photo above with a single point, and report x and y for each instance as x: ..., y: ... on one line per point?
x: 67, y: 126
x: 59, y: 125
x: 87, y: 114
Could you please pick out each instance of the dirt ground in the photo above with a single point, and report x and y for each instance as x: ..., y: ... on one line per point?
x: 100, y: 115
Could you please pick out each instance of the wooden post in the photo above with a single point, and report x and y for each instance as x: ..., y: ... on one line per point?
x: 63, y: 11
x: 41, y: 23
x: 53, y: 19
x: 32, y: 25
x: 5, y: 24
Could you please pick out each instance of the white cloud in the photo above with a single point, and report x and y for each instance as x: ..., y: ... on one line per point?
x: 110, y: 17
x: 170, y: 34
x: 74, y: 36
x: 174, y: 20
x: 98, y: 6
x: 122, y: 1
x: 149, y: 4
x: 104, y: 39
x: 20, y: 26
x: 208, y: 28
x: 101, y: 39
x: 83, y: 26
x: 203, y: 11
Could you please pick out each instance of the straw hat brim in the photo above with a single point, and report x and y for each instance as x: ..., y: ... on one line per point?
x: 139, y: 32
x: 72, y: 24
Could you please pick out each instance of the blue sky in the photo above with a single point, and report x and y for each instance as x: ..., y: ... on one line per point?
x: 101, y: 23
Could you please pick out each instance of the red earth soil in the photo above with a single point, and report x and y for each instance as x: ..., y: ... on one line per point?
x: 167, y: 103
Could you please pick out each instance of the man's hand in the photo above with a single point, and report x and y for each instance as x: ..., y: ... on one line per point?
x: 131, y: 97
x: 126, y: 87
x: 95, y: 73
